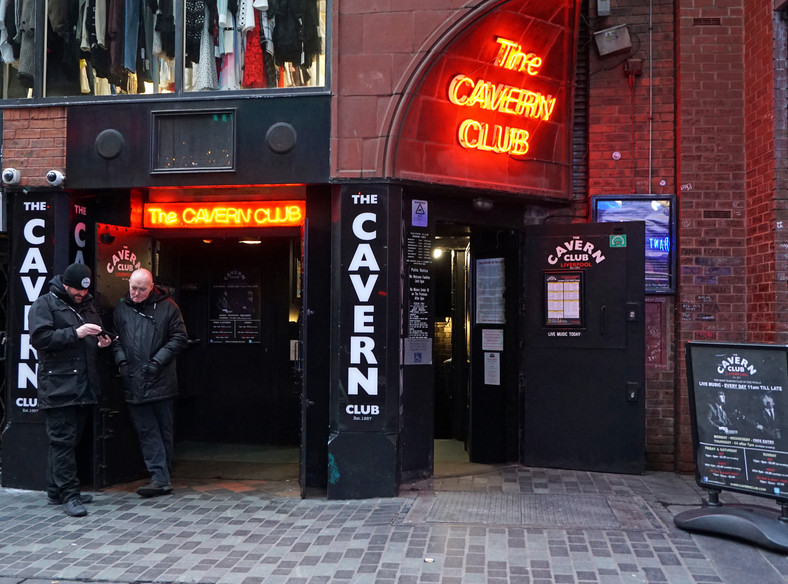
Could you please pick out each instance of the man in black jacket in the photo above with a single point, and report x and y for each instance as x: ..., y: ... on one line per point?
x: 151, y: 333
x: 65, y: 331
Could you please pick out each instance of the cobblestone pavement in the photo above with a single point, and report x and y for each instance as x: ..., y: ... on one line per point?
x: 507, y: 525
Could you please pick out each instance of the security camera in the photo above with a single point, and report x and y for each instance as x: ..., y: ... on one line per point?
x: 55, y: 178
x: 11, y: 176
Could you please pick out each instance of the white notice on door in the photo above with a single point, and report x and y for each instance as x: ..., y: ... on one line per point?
x: 492, y: 368
x: 492, y: 340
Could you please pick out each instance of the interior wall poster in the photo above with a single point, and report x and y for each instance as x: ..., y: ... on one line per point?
x: 236, y: 306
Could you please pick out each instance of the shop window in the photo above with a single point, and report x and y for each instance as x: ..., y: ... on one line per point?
x: 17, y: 47
x: 106, y: 48
x: 280, y: 44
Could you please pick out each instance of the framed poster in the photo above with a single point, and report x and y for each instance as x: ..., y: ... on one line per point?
x: 563, y: 293
x: 739, y: 406
x: 235, y: 306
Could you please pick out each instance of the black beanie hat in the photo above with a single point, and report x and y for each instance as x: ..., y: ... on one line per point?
x: 77, y: 276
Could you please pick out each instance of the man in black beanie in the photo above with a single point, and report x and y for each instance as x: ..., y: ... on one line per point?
x: 65, y: 331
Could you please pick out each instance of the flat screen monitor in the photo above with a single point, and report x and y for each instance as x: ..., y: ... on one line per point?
x: 659, y: 214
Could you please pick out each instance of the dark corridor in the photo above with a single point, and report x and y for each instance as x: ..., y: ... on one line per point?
x: 238, y: 383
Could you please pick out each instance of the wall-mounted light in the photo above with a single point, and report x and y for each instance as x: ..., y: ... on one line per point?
x: 612, y: 40
x: 437, y: 253
x: 250, y: 241
x: 482, y: 204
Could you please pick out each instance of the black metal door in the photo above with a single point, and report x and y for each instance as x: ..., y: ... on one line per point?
x: 117, y: 458
x: 494, y: 341
x: 584, y: 350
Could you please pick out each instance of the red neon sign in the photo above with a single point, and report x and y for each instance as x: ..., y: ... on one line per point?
x: 492, y: 109
x: 224, y: 214
x: 505, y: 99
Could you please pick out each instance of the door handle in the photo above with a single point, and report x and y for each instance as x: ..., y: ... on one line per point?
x: 602, y: 320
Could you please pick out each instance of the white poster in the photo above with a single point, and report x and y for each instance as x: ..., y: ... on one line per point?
x: 492, y: 340
x: 490, y: 287
x: 492, y: 368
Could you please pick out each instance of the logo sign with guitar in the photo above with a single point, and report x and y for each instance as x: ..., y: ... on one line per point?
x: 739, y: 406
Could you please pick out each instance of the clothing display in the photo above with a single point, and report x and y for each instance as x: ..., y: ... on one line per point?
x: 104, y: 47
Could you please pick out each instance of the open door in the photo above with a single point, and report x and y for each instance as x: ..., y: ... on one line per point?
x: 117, y: 458
x: 584, y: 350
x: 494, y: 346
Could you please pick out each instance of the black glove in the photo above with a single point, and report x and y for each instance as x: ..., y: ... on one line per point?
x: 123, y: 367
x: 152, y: 370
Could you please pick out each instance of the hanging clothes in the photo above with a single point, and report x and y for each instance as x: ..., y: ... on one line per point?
x: 25, y: 17
x: 228, y: 46
x: 131, y: 34
x: 115, y: 33
x: 253, y: 56
x: 270, y: 70
x: 204, y: 76
x: 195, y: 22
x: 246, y: 16
x: 6, y: 48
x: 165, y: 25
x: 288, y: 30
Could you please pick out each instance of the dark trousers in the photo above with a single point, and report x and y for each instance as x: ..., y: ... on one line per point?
x: 64, y: 428
x: 154, y: 424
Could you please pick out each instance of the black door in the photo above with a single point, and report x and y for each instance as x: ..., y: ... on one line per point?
x: 117, y: 457
x: 584, y: 350
x: 494, y: 342
x: 235, y: 378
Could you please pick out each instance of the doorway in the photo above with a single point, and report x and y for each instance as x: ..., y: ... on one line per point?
x: 450, y: 334
x: 238, y: 412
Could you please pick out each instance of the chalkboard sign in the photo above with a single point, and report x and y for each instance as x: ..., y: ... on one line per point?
x: 739, y: 405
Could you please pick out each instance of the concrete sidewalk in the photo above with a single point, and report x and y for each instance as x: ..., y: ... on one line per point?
x: 508, y: 525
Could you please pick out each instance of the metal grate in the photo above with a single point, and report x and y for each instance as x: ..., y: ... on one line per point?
x: 533, y: 510
x: 707, y: 21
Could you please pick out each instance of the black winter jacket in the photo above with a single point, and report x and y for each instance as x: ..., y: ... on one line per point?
x: 67, y: 371
x: 152, y: 330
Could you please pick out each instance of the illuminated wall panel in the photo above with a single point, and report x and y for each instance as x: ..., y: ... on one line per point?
x: 494, y: 109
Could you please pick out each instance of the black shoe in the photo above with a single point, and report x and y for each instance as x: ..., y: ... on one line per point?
x: 154, y: 490
x: 84, y: 499
x: 74, y: 508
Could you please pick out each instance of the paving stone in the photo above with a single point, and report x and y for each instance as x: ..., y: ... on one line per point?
x: 514, y: 525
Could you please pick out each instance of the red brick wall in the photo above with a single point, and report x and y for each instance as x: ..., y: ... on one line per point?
x: 759, y: 122
x: 733, y: 150
x: 34, y: 142
x: 780, y: 106
x: 635, y: 117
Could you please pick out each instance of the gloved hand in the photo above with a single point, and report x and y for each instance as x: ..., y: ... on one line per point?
x: 152, y: 370
x: 123, y: 367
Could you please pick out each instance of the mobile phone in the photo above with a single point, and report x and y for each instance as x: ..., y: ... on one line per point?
x: 105, y: 333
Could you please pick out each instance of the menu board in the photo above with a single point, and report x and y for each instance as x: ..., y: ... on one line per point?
x: 739, y: 409
x: 563, y: 298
